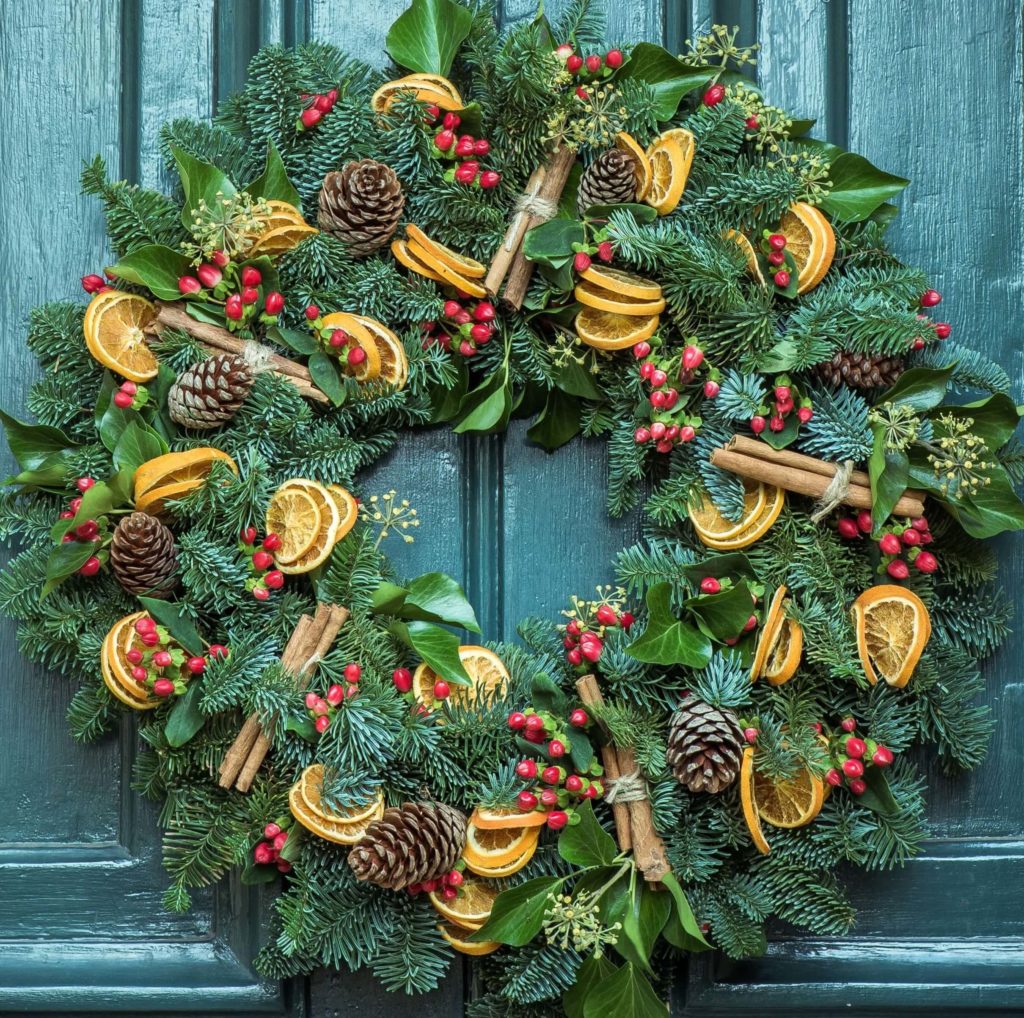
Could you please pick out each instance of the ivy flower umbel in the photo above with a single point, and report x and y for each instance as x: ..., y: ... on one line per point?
x: 719, y: 47
x: 900, y: 425
x: 229, y: 223
x: 594, y: 121
x: 958, y: 457
x: 576, y: 923
x: 390, y: 514
x: 585, y: 612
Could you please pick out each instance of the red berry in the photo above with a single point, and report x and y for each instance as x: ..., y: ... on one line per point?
x: 943, y: 330
x: 322, y: 723
x: 527, y: 769
x: 283, y: 865
x: 606, y: 615
x: 776, y: 423
x: 322, y: 103
x: 161, y: 659
x: 853, y: 768
x: 402, y: 679
x: 526, y: 801
x: 758, y: 424
x: 517, y: 720
x: 534, y: 723
x: 274, y: 579
x: 898, y: 569
x: 551, y: 775
x: 261, y: 854
x: 579, y: 718
x: 466, y: 173
x: 220, y: 258
x: 145, y: 625
x: 557, y: 819
x: 271, y: 542
x: 920, y: 523
x: 574, y: 63
x: 489, y: 179
x: 556, y: 748
x: 218, y: 650
x: 750, y: 734
x: 593, y: 63
x: 858, y: 786
x: 918, y: 344
x: 233, y: 307
x: 481, y: 147
x: 613, y: 58
x: 83, y: 484
x: 882, y: 757
x: 834, y: 778
x: 693, y: 357
x: 574, y: 783
x: 484, y: 311
x: 273, y: 303
x: 911, y: 537
x: 465, y: 146
x: 848, y: 725
x: 87, y: 530
x: 591, y: 650
x: 129, y: 387
x: 549, y: 797
x: 804, y: 414
x: 641, y: 435
x: 271, y: 831
x: 605, y: 251
x: 711, y: 388
x: 261, y: 593
x: 855, y: 747
x: 134, y: 656
x: 926, y: 562
x: 751, y: 623
x: 209, y: 275
x: 575, y: 657
x: 709, y: 585
x: 777, y: 241
x: 451, y: 121
x: 139, y: 674
x: 687, y: 433
x: 92, y: 283
x: 189, y: 284
x: 889, y: 544
x: 123, y: 400
x: 75, y: 504
x: 356, y: 355
x: 658, y: 378
x: 311, y: 117
x: 444, y: 140
x: 776, y: 258
x: 250, y: 295
x: 90, y: 567
x: 335, y: 694
x: 480, y: 333
x: 641, y: 350
x: 581, y: 262
x: 441, y: 690
x: 251, y: 276
x: 262, y: 560
x: 196, y: 665
x: 753, y: 124
x: 930, y: 298
x: 455, y: 879
x: 864, y: 523
x: 353, y: 672
x: 714, y: 95
x: 781, y: 279
x: 163, y: 687
x: 312, y: 312
x: 848, y: 528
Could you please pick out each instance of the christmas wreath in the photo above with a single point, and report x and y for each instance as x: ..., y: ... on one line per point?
x: 613, y: 241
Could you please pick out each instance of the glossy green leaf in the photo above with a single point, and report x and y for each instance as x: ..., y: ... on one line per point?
x: 436, y: 597
x: 34, y: 445
x: 445, y: 402
x: 65, y: 560
x: 185, y: 719
x: 96, y: 502
x: 558, y: 423
x: 326, y: 377
x: 994, y: 419
x: 253, y: 874
x: 155, y: 267
x: 780, y: 439
x: 573, y: 378
x: 200, y: 181
x: 878, y: 796
x: 179, y: 625
x: 298, y: 340
x: 858, y: 188
x: 920, y: 389
x: 735, y: 565
x: 273, y: 183
x: 667, y: 640
x: 427, y: 35
x: 995, y: 509
x: 722, y: 616
x: 137, y: 443
x: 438, y: 647
x: 518, y: 913
x: 668, y: 77
x: 595, y: 969
x: 625, y: 994
x: 547, y: 695
x: 643, y: 922
x: 889, y: 471
x: 551, y: 243
x: 682, y: 929
x: 587, y: 843
x: 488, y: 407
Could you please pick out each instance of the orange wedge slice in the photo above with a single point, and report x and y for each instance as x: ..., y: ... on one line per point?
x: 446, y: 272
x: 811, y: 241
x: 770, y: 625
x: 485, y: 668
x: 783, y: 658
x: 155, y: 500
x: 190, y: 465
x: 353, y: 325
x: 753, y: 265
x: 787, y: 804
x: 488, y: 818
x: 752, y: 527
x: 606, y: 331
x: 471, y: 909
x: 114, y: 667
x: 748, y: 800
x: 893, y: 628
x: 497, y: 847
x: 310, y: 788
x: 115, y: 327
x: 463, y: 265
x: 394, y: 365
x: 428, y: 88
x: 642, y: 166
x: 276, y: 240
x: 495, y: 872
x: 454, y: 935
x: 348, y: 510
x: 295, y: 517
x: 623, y: 284
x: 341, y: 832
x: 400, y: 249
x: 326, y: 536
x: 604, y: 300
x: 670, y: 156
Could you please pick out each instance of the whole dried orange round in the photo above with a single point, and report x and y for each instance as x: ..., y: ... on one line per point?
x: 115, y: 327
x: 893, y: 628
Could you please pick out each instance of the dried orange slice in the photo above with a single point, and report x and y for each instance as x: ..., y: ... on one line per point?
x: 496, y: 847
x: 774, y: 617
x: 427, y: 88
x: 294, y: 516
x: 642, y: 166
x: 283, y: 213
x: 446, y: 272
x: 115, y: 327
x: 189, y: 465
x: 155, y: 500
x: 310, y: 788
x: 753, y: 525
x: 348, y: 510
x: 438, y: 82
x: 893, y: 628
x: 394, y: 365
x: 276, y: 240
x: 749, y: 802
x: 485, y: 668
x: 339, y: 832
x: 455, y: 934
x: 670, y: 156
x: 352, y: 324
x: 488, y: 818
x: 811, y: 241
x: 114, y: 668
x: 472, y: 908
x: 604, y: 300
x: 624, y: 284
x: 784, y: 654
x: 326, y: 537
x: 606, y: 331
x: 496, y: 871
x: 753, y: 265
x: 400, y: 249
x: 462, y: 264
x: 787, y: 804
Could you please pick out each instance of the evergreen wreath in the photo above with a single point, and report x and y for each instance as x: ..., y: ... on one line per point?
x: 633, y: 245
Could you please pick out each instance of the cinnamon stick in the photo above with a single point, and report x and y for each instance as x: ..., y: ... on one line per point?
x: 218, y: 340
x: 804, y: 482
x: 788, y: 458
x: 513, y: 235
x: 556, y: 173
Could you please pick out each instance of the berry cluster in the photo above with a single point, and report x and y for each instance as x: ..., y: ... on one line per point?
x: 317, y: 106
x: 149, y: 666
x: 899, y: 543
x: 585, y: 252
x: 787, y: 400
x: 238, y: 286
x: 402, y: 679
x: 447, y: 885
x: 671, y: 424
x: 464, y: 147
x: 88, y: 531
x: 323, y: 708
x: 850, y: 756
x: 711, y: 585
x: 334, y: 341
x: 469, y: 324
x: 265, y: 577
x: 590, y: 67
x: 942, y: 330
x: 269, y: 850
x: 97, y: 284
x: 131, y: 396
x: 585, y: 635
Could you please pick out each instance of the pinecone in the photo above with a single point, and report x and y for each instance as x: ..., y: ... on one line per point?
x: 361, y: 205
x: 861, y: 370
x: 609, y: 180
x: 409, y: 844
x: 209, y: 393
x: 705, y: 746
x: 143, y: 556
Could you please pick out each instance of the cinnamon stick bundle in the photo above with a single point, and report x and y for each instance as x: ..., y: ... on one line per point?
x: 309, y: 642
x: 802, y: 474
x: 634, y: 821
x: 218, y: 340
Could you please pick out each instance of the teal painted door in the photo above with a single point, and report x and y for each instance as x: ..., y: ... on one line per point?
x: 930, y: 89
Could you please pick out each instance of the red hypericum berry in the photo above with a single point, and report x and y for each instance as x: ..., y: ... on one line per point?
x: 783, y: 392
x: 898, y: 569
x: 776, y: 423
x: 593, y: 63
x: 591, y: 651
x: 161, y: 659
x: 129, y: 387
x: 261, y: 854
x: 853, y: 768
x: 466, y: 348
x: 709, y: 585
x: 353, y: 672
x: 889, y: 544
x: 466, y: 173
x: 574, y: 657
x: 864, y: 523
x: 261, y: 593
x: 271, y: 831
x: 481, y: 147
x: 781, y: 279
x: 233, y: 307
x: 123, y: 400
x: 442, y: 690
x: 83, y: 484
x: 693, y: 357
x: 273, y: 303
x: 139, y: 674
x: 455, y: 879
x: 848, y: 528
x: 209, y: 275
x: 251, y: 276
x: 311, y: 700
x: 574, y: 783
x: 67, y: 514
x: 196, y: 665
x: 858, y: 786
x: 145, y: 625
x: 711, y: 388
x: 804, y: 414
x: 911, y: 537
x: 750, y: 734
x: 882, y: 757
x: 90, y: 567
x: 556, y: 748
x: 92, y: 283
x: 834, y: 778
x: 262, y: 560
x: 579, y: 718
x: 163, y: 687
x: 751, y: 623
x: 926, y: 562
x: 758, y: 424
x: 134, y: 656
x: 444, y: 140
x: 274, y: 579
x: 517, y: 720
x: 220, y: 258
x: 526, y: 801
x: 480, y: 333
x: 355, y: 356
x: 658, y: 378
x: 658, y: 399
x: 451, y: 121
x: 641, y: 350
x: 465, y: 146
x: 752, y: 124
x: 283, y: 865
x: 855, y: 747
x: 918, y: 344
x: 557, y: 819
x: 527, y: 769
x: 590, y: 792
x: 714, y: 95
x: 189, y: 284
x: 574, y: 63
x: 322, y: 723
x: 484, y: 311
x: 250, y: 295
x: 848, y: 725
x: 613, y: 58
x: 489, y: 179
x: 776, y: 258
x: 218, y: 650
x: 581, y: 262
x: 534, y: 723
x: 312, y: 312
x: 334, y: 695
x: 605, y: 251
x: 322, y: 103
x: 549, y: 797
x: 920, y: 523
x: 402, y: 679
x: 641, y: 436
x: 671, y: 398
x: 551, y: 775
x: 943, y: 330
x: 311, y: 117
x: 930, y: 298
x: 777, y: 241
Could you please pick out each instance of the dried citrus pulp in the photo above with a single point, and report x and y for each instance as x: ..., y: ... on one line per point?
x: 354, y: 326
x: 779, y: 644
x: 328, y: 519
x: 761, y: 507
x: 441, y: 263
x: 115, y: 327
x: 670, y: 156
x: 641, y: 164
x: 394, y: 365
x: 893, y: 627
x: 606, y: 300
x: 283, y: 229
x: 605, y: 330
x: 811, y: 241
x: 427, y: 88
x: 492, y: 818
x: 472, y: 906
x: 790, y: 803
x: 485, y: 669
x: 753, y: 265
x: 344, y: 827
x: 295, y: 518
x: 499, y: 852
x: 174, y: 475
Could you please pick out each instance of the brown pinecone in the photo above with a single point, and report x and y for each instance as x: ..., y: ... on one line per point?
x: 209, y: 393
x: 409, y: 844
x: 361, y: 205
x: 609, y: 180
x: 143, y: 556
x: 861, y: 370
x: 705, y: 746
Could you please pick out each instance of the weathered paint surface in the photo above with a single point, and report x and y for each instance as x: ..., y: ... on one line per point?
x: 930, y: 89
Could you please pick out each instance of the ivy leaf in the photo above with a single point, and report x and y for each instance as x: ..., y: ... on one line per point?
x: 994, y: 509
x: 426, y: 37
x: 34, y: 445
x: 587, y: 843
x: 179, y: 625
x: 669, y: 78
x: 575, y: 380
x: 445, y: 402
x: 199, y: 180
x: 294, y: 339
x: 558, y: 422
x: 547, y: 695
x: 65, y: 560
x: 137, y: 443
x: 488, y: 407
x: 643, y: 920
x: 436, y: 597
x: 920, y: 389
x: 723, y: 615
x: 733, y: 564
x: 667, y: 640
x: 185, y: 719
x: 326, y: 377
x: 594, y: 970
x: 628, y: 993
x: 682, y: 929
x: 273, y: 183
x: 858, y: 188
x: 994, y: 419
x: 551, y: 243
x: 438, y: 647
x: 518, y: 913
x: 889, y: 471
x: 878, y: 795
x: 155, y: 267
x: 780, y: 439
